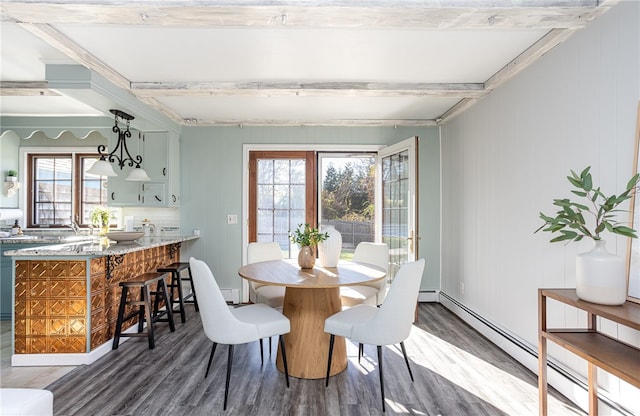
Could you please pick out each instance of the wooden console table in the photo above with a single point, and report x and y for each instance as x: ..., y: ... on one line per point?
x: 613, y: 356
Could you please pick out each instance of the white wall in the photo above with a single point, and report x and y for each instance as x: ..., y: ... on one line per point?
x: 506, y: 158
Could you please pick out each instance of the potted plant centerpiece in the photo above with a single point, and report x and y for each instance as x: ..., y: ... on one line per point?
x: 307, y: 239
x: 12, y: 176
x: 101, y: 217
x: 600, y: 275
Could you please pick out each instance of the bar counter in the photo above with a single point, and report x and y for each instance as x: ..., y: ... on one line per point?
x: 66, y: 295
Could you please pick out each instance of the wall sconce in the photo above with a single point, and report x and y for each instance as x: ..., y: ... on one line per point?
x: 10, y: 188
x: 103, y: 166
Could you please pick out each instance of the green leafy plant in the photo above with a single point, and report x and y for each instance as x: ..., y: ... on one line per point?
x: 101, y: 216
x: 12, y: 173
x: 307, y: 236
x: 570, y: 220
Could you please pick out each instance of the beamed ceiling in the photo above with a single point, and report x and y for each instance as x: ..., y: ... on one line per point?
x: 294, y: 62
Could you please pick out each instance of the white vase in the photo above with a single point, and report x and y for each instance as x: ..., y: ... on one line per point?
x: 601, y: 276
x: 329, y: 250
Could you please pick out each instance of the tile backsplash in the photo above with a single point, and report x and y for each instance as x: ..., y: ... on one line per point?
x: 162, y: 218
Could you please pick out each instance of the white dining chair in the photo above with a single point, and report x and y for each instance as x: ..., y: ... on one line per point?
x: 260, y: 293
x: 386, y: 325
x: 234, y: 326
x: 372, y: 293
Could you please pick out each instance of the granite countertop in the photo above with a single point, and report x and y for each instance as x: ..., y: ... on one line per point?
x: 44, y: 239
x: 98, y: 246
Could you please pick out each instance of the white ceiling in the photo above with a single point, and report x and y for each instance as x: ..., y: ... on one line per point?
x: 374, y: 62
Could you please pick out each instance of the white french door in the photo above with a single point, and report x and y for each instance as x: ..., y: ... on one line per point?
x: 397, y: 184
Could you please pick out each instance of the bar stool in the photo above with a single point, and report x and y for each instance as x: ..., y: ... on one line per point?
x: 145, y: 311
x: 176, y: 282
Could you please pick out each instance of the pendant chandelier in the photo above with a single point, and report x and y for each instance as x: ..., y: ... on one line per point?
x: 120, y: 154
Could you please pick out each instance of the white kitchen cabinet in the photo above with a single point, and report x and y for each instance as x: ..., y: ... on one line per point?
x: 154, y: 194
x: 174, y: 172
x: 155, y: 155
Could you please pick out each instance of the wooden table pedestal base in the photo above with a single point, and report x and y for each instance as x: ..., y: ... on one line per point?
x: 307, y: 344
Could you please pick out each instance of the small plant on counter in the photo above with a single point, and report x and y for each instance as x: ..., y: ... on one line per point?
x: 12, y: 175
x: 307, y: 236
x: 101, y: 217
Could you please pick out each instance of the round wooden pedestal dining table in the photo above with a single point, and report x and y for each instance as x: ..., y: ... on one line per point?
x: 311, y: 296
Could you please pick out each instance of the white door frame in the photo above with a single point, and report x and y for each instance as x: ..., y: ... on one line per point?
x: 409, y: 144
x: 246, y: 148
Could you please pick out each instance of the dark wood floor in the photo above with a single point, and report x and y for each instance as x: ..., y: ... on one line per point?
x: 457, y: 372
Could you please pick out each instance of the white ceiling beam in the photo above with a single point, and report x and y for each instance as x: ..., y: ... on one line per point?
x: 65, y: 45
x: 26, y: 89
x: 423, y: 14
x: 309, y: 123
x: 526, y: 58
x: 530, y: 55
x: 306, y: 89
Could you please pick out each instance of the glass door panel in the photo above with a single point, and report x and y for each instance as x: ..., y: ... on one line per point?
x: 279, y: 184
x: 281, y: 205
x: 347, y: 197
x: 398, y: 185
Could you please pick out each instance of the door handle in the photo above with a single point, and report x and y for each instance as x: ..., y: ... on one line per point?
x: 410, y: 238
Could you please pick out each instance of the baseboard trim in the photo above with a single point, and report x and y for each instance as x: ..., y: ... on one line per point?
x: 428, y: 296
x: 31, y: 360
x: 558, y: 376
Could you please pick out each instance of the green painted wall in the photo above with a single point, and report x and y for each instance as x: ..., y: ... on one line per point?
x: 211, y: 178
x: 211, y: 182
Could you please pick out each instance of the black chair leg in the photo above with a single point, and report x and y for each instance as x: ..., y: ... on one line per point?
x: 331, y: 341
x: 284, y: 360
x: 226, y: 384
x: 360, y: 351
x: 262, y: 353
x: 381, y: 379
x: 269, y: 346
x: 406, y: 359
x: 213, y: 351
